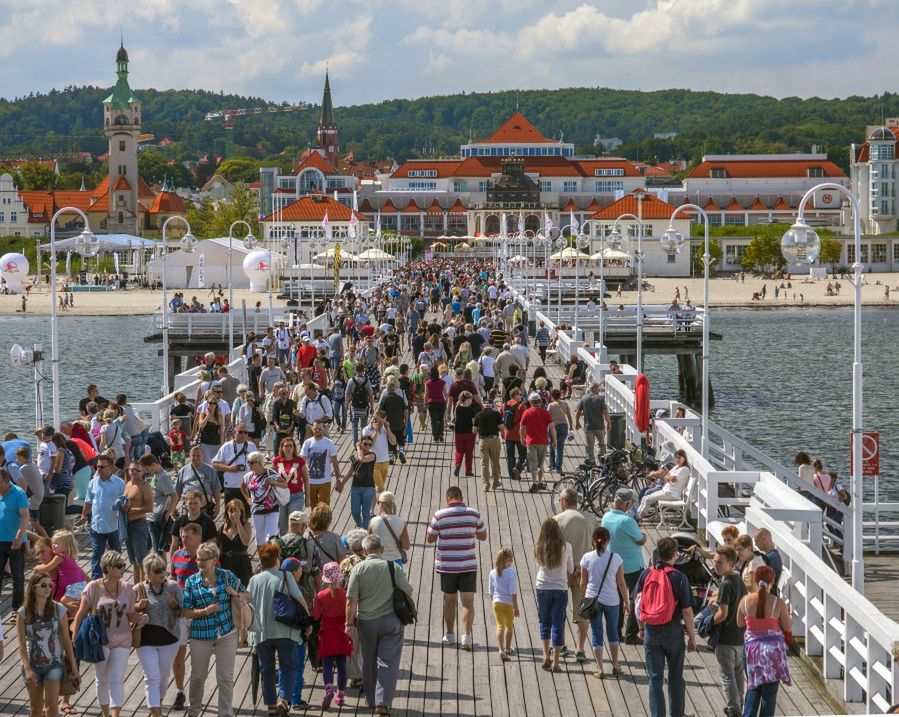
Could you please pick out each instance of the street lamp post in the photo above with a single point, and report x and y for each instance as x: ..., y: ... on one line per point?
x: 249, y: 242
x: 581, y: 240
x: 188, y: 242
x: 674, y: 241
x: 87, y: 245
x: 801, y: 244
x: 616, y: 232
x: 561, y: 244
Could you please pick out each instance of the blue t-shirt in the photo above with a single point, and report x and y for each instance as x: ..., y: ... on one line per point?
x: 102, y: 494
x: 776, y: 562
x: 683, y: 595
x: 12, y: 445
x: 625, y: 534
x: 10, y: 505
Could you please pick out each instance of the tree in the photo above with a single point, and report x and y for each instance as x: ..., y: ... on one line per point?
x: 214, y: 219
x: 697, y: 249
x: 831, y: 252
x: 240, y: 169
x: 153, y: 168
x: 763, y: 255
x: 34, y: 175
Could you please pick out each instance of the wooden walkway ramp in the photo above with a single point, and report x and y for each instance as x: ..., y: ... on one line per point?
x: 439, y: 680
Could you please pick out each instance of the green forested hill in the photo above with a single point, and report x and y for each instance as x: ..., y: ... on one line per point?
x: 710, y: 122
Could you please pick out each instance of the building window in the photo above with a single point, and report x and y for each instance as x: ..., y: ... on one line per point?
x: 718, y: 174
x: 121, y: 145
x: 737, y: 220
x: 609, y: 186
x: 733, y: 254
x: 569, y: 186
x: 608, y: 172
x: 878, y: 253
x: 896, y: 252
x: 883, y: 151
x: 714, y: 220
x: 458, y: 186
x: 850, y: 253
x: 2, y: 217
x: 13, y: 217
x: 546, y: 185
x: 884, y: 207
x: 815, y: 171
x: 672, y: 258
x: 336, y: 183
x: 422, y: 172
x: 420, y: 186
x: 482, y: 186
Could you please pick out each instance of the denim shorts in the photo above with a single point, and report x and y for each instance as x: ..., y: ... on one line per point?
x: 46, y: 673
x: 137, y: 542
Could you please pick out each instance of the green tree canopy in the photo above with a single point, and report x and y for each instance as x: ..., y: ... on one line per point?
x: 831, y: 251
x: 34, y: 175
x: 214, y: 219
x: 239, y: 169
x: 763, y: 254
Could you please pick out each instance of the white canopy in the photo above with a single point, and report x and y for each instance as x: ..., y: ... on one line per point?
x: 569, y: 253
x: 374, y: 254
x: 519, y: 259
x: 308, y: 266
x: 108, y: 243
x: 329, y: 254
x: 610, y: 255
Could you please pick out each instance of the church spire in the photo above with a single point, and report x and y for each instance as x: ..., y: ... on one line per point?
x: 327, y: 117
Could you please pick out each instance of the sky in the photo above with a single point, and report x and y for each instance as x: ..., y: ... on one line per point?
x: 380, y: 49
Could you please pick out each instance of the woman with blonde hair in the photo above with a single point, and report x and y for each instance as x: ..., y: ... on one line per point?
x: 212, y: 631
x: 555, y: 566
x: 391, y: 529
x: 210, y: 428
x: 112, y: 600
x: 112, y: 437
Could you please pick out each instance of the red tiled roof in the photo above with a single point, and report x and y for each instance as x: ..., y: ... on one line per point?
x: 757, y: 206
x: 168, y: 203
x: 653, y: 208
x: 457, y: 207
x: 255, y: 185
x: 781, y: 206
x: 516, y: 129
x: 412, y: 207
x: 121, y: 183
x: 366, y: 206
x: 312, y: 209
x: 738, y: 169
x: 435, y: 208
x: 570, y: 207
x: 39, y: 204
x: 593, y: 206
x: 143, y: 189
x: 314, y: 159
x: 389, y: 207
x: 443, y: 167
x: 710, y: 206
x: 733, y: 206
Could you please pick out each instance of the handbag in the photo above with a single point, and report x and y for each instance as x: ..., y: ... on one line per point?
x: 403, y: 555
x: 70, y: 683
x: 136, y: 629
x: 91, y: 637
x: 288, y: 611
x: 588, y: 608
x: 403, y: 605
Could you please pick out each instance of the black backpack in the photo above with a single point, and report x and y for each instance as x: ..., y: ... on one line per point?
x: 359, y: 396
x: 509, y: 415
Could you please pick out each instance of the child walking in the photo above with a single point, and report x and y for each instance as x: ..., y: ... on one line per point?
x: 177, y: 438
x: 503, y: 587
x: 333, y: 644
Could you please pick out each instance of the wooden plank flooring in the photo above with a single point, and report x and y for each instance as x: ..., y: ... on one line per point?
x: 440, y: 680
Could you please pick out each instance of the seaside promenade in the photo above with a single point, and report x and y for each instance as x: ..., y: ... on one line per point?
x: 440, y: 680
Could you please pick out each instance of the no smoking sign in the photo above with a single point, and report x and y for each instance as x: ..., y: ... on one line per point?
x: 870, y: 454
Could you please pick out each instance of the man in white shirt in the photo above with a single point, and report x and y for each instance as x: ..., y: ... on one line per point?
x: 316, y: 406
x: 382, y: 438
x: 321, y: 460
x: 282, y: 339
x: 521, y: 354
x: 231, y: 461
x: 45, y: 450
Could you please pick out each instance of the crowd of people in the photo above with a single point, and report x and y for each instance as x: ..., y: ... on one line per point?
x: 226, y: 522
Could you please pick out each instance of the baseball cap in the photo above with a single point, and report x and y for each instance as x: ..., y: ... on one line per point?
x: 298, y: 516
x: 290, y: 564
x: 535, y: 397
x: 48, y: 429
x: 623, y: 495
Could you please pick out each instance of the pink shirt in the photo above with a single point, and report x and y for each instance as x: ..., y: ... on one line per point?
x: 67, y: 573
x: 113, y: 610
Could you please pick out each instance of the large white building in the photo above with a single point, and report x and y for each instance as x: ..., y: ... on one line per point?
x: 872, y: 171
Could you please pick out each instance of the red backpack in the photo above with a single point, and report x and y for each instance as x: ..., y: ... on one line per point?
x: 657, y: 604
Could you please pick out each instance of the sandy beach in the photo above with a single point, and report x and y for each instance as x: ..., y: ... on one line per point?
x: 724, y: 292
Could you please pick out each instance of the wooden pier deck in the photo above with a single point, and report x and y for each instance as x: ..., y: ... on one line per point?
x: 440, y: 680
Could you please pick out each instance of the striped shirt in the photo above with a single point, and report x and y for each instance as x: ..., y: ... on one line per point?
x: 183, y: 566
x: 455, y: 527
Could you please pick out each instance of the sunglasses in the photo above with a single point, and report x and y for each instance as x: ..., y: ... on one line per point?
x: 119, y: 566
x: 366, y: 443
x: 46, y: 586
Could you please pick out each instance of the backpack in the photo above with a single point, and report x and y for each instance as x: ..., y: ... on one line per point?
x: 509, y: 415
x: 657, y: 603
x: 359, y: 396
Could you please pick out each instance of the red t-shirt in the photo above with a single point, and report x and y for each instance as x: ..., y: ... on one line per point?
x: 292, y: 470
x: 536, y: 422
x: 176, y: 439
x: 306, y: 355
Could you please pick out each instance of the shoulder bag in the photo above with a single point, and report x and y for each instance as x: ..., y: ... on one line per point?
x: 288, y: 611
x: 403, y: 555
x: 589, y: 607
x: 403, y: 605
x: 136, y: 629
x: 91, y: 636
x: 282, y: 495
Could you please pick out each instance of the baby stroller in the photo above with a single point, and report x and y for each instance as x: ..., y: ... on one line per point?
x: 702, y: 580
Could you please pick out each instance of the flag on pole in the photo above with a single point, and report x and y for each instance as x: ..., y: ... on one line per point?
x: 68, y: 263
x: 115, y: 259
x: 521, y: 223
x: 502, y: 226
x: 201, y: 271
x: 547, y: 222
x: 351, y: 229
x: 378, y: 225
x: 575, y: 225
x: 326, y: 225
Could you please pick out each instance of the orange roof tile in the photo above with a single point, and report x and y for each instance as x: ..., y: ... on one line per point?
x: 365, y: 206
x: 652, y: 208
x: 757, y: 206
x: 457, y: 207
x: 39, y: 204
x: 516, y: 129
x: 312, y: 209
x: 389, y: 207
x: 168, y: 203
x: 733, y: 206
x: 589, y: 166
x: 314, y: 159
x: 144, y: 190
x: 121, y: 183
x: 740, y: 169
x: 781, y: 206
x: 443, y: 167
x: 593, y: 206
x: 570, y: 207
x: 435, y: 208
x: 412, y: 206
x: 710, y: 206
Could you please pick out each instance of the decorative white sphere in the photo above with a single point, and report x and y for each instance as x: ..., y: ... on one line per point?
x: 801, y: 244
x: 256, y: 265
x: 672, y: 241
x: 14, y: 270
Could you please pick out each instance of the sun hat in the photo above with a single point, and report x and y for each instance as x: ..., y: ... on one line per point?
x: 331, y: 573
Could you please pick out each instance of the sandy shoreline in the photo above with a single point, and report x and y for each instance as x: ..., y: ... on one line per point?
x: 723, y: 293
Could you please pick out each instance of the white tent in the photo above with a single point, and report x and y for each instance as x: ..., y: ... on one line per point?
x: 182, y: 270
x: 610, y: 255
x: 374, y: 254
x: 329, y: 255
x: 569, y: 253
x: 519, y: 259
x: 108, y: 243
